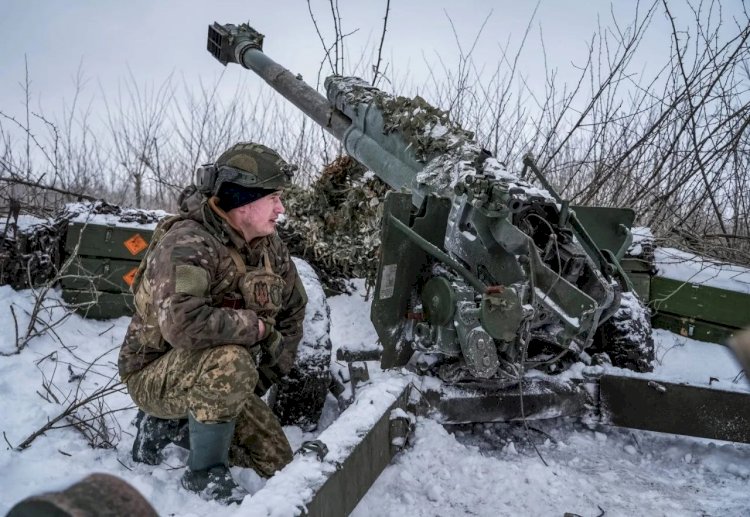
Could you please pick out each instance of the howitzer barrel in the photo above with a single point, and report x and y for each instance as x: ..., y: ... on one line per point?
x: 346, y: 114
x: 243, y: 45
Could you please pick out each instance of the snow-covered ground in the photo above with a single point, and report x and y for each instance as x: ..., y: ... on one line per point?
x: 492, y: 469
x: 485, y: 469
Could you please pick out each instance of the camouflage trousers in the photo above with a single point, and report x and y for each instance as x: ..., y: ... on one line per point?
x: 216, y: 385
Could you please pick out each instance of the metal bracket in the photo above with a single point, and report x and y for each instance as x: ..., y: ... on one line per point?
x: 316, y: 447
x: 401, y: 428
x: 358, y: 374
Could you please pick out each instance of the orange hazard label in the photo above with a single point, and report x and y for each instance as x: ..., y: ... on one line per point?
x: 136, y: 244
x: 130, y: 276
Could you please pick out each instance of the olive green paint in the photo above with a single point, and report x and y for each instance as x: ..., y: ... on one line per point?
x: 700, y: 302
x: 98, y: 240
x: 100, y: 273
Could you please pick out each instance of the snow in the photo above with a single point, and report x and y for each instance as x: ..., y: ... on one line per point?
x: 492, y: 469
x: 316, y: 315
x: 689, y: 267
x: 640, y: 234
x: 480, y: 469
x: 681, y: 359
x: 134, y: 218
x: 350, y: 320
x: 111, y: 220
x: 677, y: 359
x: 25, y: 221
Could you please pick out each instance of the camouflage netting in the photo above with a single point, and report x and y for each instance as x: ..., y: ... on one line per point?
x: 30, y: 254
x: 87, y: 211
x: 426, y: 128
x: 335, y: 223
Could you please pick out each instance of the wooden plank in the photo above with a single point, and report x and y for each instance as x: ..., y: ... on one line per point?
x: 675, y: 408
x: 718, y: 306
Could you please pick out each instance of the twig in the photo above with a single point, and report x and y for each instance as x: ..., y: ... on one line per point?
x: 376, y: 68
x: 544, y: 433
x: 66, y: 412
x: 524, y: 337
x: 15, y: 327
x: 635, y: 441
x: 105, y: 331
x: 76, y: 195
x: 6, y: 441
x: 326, y: 49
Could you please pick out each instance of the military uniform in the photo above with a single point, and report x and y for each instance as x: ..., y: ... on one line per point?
x: 193, y: 347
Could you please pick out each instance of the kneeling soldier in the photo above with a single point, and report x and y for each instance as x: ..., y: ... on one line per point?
x: 219, y: 311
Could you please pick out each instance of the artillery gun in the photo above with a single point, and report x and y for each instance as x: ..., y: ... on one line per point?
x: 480, y: 272
x: 483, y: 275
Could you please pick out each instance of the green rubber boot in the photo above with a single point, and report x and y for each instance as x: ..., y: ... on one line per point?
x: 207, y: 471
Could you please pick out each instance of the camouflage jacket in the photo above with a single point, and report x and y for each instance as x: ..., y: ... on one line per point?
x: 168, y: 315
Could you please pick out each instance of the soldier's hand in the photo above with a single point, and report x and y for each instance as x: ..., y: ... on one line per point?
x: 261, y: 327
x: 286, y: 361
x: 267, y: 377
x: 272, y: 347
x: 265, y: 327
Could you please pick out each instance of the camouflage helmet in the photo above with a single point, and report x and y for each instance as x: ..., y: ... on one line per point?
x: 249, y: 165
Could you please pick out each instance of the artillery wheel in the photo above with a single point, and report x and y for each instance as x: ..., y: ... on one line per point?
x: 301, y: 395
x: 626, y: 336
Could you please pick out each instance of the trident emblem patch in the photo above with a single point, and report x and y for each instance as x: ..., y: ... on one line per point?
x: 261, y: 294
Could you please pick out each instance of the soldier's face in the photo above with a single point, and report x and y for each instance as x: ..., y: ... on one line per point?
x: 258, y: 219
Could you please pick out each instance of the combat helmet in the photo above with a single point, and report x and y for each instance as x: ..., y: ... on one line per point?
x: 247, y: 165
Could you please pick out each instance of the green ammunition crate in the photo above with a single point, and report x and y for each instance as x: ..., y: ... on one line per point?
x: 692, y: 328
x: 106, y: 259
x: 102, y: 274
x: 115, y: 242
x: 698, y: 311
x: 639, y: 272
x: 636, y: 265
x: 700, y: 302
x: 99, y: 305
x: 641, y: 284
